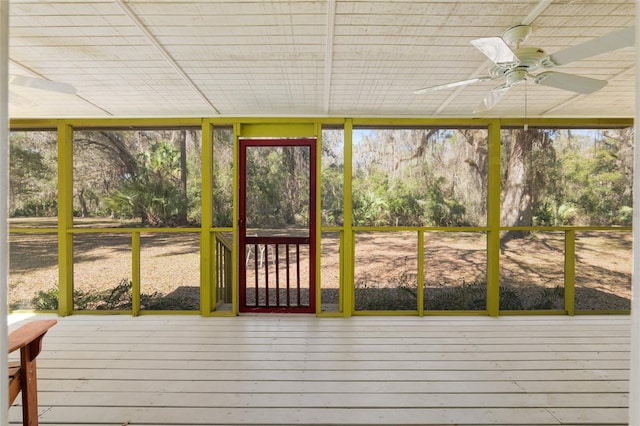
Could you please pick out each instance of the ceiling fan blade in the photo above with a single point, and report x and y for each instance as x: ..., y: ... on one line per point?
x: 496, y: 49
x: 42, y: 84
x: 491, y: 100
x: 452, y: 85
x: 607, y: 43
x: 572, y: 82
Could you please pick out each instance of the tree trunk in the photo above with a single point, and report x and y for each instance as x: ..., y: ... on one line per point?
x: 517, y: 198
x: 84, y: 212
x: 182, y: 140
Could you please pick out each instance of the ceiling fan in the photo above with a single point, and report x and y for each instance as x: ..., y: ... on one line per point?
x: 516, y: 64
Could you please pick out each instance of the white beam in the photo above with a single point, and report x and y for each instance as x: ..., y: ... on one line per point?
x: 4, y: 196
x: 178, y: 69
x: 328, y: 57
x: 634, y: 370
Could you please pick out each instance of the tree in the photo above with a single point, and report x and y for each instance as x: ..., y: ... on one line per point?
x: 528, y: 162
x: 27, y: 177
x: 154, y: 194
x: 32, y: 181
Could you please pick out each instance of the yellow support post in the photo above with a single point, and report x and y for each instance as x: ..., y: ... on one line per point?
x: 207, y: 260
x: 135, y: 273
x: 570, y: 271
x: 65, y: 218
x: 235, y: 255
x: 420, y: 283
x: 347, y: 284
x: 493, y: 220
x: 318, y: 213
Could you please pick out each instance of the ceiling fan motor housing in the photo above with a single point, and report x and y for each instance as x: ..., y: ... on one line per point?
x: 515, y: 76
x: 529, y: 60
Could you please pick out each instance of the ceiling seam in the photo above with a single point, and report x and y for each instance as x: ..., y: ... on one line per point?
x: 39, y: 75
x: 457, y: 91
x: 537, y: 11
x: 328, y: 57
x: 132, y: 15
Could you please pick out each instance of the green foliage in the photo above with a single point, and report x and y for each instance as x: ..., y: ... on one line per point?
x: 443, y: 210
x: 117, y: 298
x: 468, y: 296
x: 473, y: 296
x: 625, y: 216
x: 277, y: 185
x: 332, y: 194
x: 381, y: 201
x: 46, y: 300
x: 595, y: 181
x: 407, y: 177
x: 31, y: 176
x: 37, y: 207
x: 154, y: 193
x: 567, y: 214
x: 543, y: 216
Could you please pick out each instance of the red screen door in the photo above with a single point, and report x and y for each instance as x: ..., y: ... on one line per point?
x: 277, y: 225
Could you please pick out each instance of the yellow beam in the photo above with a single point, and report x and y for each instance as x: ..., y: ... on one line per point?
x: 568, y: 123
x: 65, y: 219
x: 284, y: 130
x: 173, y: 122
x: 419, y: 122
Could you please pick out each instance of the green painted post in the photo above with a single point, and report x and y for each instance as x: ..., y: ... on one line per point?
x: 207, y: 261
x: 570, y: 271
x: 65, y: 218
x: 420, y: 283
x: 493, y: 220
x: 347, y: 284
x: 135, y: 273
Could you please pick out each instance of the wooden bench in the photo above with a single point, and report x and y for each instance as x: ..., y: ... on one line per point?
x: 22, y: 374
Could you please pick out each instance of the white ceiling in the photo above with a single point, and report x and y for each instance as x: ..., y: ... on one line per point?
x: 150, y: 58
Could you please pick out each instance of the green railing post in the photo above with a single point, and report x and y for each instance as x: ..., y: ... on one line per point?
x: 493, y: 220
x: 420, y: 283
x: 65, y: 218
x: 570, y: 271
x: 135, y: 274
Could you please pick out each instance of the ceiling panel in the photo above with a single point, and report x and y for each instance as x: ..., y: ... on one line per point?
x: 154, y: 58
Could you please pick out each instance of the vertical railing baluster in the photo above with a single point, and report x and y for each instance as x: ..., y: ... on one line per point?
x: 255, y: 273
x: 288, y: 286
x: 298, y: 272
x: 266, y: 274
x: 277, y: 266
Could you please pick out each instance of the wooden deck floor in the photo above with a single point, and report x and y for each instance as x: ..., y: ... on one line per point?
x: 281, y: 370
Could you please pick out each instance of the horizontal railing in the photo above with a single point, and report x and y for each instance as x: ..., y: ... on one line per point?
x: 222, y: 286
x: 569, y: 265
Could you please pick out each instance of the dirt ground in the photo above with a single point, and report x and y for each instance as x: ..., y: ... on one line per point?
x: 170, y: 266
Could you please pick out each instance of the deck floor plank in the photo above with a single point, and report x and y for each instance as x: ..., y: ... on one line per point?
x: 285, y: 370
